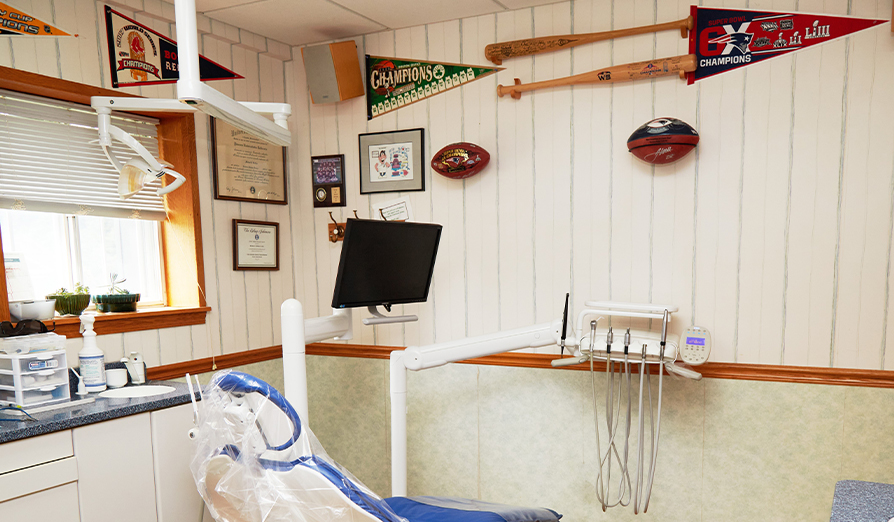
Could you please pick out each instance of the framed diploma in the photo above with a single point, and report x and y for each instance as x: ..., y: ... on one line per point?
x: 255, y: 245
x: 245, y: 167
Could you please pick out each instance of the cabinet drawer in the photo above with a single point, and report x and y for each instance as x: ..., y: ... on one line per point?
x: 38, y: 478
x: 35, y: 450
x: 59, y: 504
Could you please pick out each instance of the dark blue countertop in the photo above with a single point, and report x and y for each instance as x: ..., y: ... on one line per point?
x: 100, y: 410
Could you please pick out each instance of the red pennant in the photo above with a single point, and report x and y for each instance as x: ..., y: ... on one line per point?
x: 726, y: 39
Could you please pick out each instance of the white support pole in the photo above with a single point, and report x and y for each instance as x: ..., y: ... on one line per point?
x: 398, y: 425
x: 294, y: 364
x: 187, y: 46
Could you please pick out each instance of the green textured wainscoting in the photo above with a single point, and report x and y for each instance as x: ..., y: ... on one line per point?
x: 730, y: 450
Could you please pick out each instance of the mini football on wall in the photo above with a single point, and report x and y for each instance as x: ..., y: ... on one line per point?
x: 460, y: 160
x: 662, y: 141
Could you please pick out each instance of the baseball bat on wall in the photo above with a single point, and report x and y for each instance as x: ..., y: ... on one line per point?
x: 497, y: 52
x: 619, y: 73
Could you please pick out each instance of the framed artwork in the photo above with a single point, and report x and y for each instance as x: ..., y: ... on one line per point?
x: 328, y: 173
x: 255, y: 245
x: 392, y: 161
x: 245, y: 167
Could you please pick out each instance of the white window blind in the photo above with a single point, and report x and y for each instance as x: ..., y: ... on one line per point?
x: 50, y: 160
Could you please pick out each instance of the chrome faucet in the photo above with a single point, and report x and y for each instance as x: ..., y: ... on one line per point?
x: 135, y: 368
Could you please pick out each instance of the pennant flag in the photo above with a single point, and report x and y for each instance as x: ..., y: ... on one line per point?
x: 140, y: 56
x: 394, y: 83
x: 726, y: 39
x: 16, y: 23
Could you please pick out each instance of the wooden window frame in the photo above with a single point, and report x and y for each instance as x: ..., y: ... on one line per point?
x: 181, y: 233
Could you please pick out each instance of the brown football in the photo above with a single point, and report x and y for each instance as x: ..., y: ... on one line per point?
x: 460, y: 160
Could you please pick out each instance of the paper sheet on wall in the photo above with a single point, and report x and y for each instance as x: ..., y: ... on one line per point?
x: 394, y: 210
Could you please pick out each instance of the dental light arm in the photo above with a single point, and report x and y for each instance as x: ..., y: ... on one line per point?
x: 192, y: 91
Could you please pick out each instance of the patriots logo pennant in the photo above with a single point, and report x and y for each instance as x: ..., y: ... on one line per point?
x: 726, y: 39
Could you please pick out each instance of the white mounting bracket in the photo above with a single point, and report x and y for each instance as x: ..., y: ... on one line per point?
x: 379, y: 318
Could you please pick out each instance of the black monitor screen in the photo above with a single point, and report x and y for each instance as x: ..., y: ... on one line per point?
x: 385, y: 262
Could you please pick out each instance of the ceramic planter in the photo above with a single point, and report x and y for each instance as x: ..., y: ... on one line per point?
x: 71, y: 304
x: 116, y: 302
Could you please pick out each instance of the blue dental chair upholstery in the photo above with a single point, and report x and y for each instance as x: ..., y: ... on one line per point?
x: 243, y: 480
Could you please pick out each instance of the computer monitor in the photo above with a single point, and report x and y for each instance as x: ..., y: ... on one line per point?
x: 385, y: 263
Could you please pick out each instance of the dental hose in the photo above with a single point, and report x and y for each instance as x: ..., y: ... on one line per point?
x: 658, y: 424
x: 599, y: 483
x: 609, y: 409
x: 639, y: 446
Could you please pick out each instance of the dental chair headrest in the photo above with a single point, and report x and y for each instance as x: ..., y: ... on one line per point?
x: 238, y: 383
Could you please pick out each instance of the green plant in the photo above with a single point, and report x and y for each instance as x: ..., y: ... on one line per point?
x: 79, y: 290
x: 113, y: 288
x: 71, y: 303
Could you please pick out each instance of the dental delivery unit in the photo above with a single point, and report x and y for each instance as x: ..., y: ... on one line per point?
x: 258, y: 460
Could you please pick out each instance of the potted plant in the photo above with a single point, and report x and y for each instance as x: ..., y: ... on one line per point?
x: 71, y: 303
x: 118, y: 299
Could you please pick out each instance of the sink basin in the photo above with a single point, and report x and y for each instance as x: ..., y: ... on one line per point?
x: 132, y: 392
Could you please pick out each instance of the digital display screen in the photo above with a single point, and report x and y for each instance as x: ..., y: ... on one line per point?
x: 699, y: 341
x: 385, y: 262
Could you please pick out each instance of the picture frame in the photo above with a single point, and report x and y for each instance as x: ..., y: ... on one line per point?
x: 255, y: 245
x: 392, y: 161
x: 247, y: 168
x: 328, y: 177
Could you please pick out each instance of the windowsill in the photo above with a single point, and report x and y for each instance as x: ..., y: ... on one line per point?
x: 150, y: 318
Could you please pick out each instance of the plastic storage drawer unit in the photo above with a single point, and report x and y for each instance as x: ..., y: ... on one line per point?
x: 32, y: 379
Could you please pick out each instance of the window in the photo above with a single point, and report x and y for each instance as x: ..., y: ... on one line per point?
x: 53, y: 251
x: 81, y: 231
x: 184, y: 280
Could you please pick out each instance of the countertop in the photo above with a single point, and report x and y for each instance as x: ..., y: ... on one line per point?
x: 858, y: 501
x: 100, y: 410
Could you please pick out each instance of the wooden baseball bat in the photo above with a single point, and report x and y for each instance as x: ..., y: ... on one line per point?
x: 618, y: 73
x: 497, y: 52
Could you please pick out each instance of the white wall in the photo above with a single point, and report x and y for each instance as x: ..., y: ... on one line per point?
x: 245, y: 307
x: 775, y: 234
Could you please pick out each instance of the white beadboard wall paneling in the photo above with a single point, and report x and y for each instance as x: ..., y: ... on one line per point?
x: 865, y: 205
x: 591, y: 159
x: 552, y: 168
x: 819, y: 86
x: 672, y: 190
x: 515, y: 159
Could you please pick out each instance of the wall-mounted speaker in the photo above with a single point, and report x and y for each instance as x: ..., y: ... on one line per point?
x: 333, y: 72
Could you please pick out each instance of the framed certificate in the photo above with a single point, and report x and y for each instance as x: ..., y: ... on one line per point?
x: 245, y: 167
x: 255, y: 245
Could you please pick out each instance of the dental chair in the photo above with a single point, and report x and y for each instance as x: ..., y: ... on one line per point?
x: 255, y: 463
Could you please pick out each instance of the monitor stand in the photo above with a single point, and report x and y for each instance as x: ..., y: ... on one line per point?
x: 378, y: 318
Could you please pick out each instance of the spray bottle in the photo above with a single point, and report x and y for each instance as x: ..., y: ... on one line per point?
x: 91, y: 359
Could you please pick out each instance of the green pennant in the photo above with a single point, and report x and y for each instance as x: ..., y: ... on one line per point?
x: 393, y: 83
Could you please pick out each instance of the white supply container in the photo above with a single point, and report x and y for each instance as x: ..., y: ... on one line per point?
x: 32, y: 343
x: 33, y: 379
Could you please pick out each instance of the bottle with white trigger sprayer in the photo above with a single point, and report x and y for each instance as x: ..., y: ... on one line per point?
x: 91, y: 359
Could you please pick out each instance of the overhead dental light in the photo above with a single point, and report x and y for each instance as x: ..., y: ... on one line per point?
x: 143, y: 169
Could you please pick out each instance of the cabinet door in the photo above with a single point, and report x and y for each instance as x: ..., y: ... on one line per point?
x: 175, y: 490
x: 59, y: 504
x: 115, y: 471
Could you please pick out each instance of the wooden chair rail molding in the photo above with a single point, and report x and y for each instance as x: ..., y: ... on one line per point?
x: 748, y: 372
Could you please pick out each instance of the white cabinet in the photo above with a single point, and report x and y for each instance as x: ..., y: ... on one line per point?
x: 133, y: 469
x: 38, y: 479
x: 116, y: 479
x: 177, y: 498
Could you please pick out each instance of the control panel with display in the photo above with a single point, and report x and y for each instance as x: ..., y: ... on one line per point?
x: 695, y: 345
